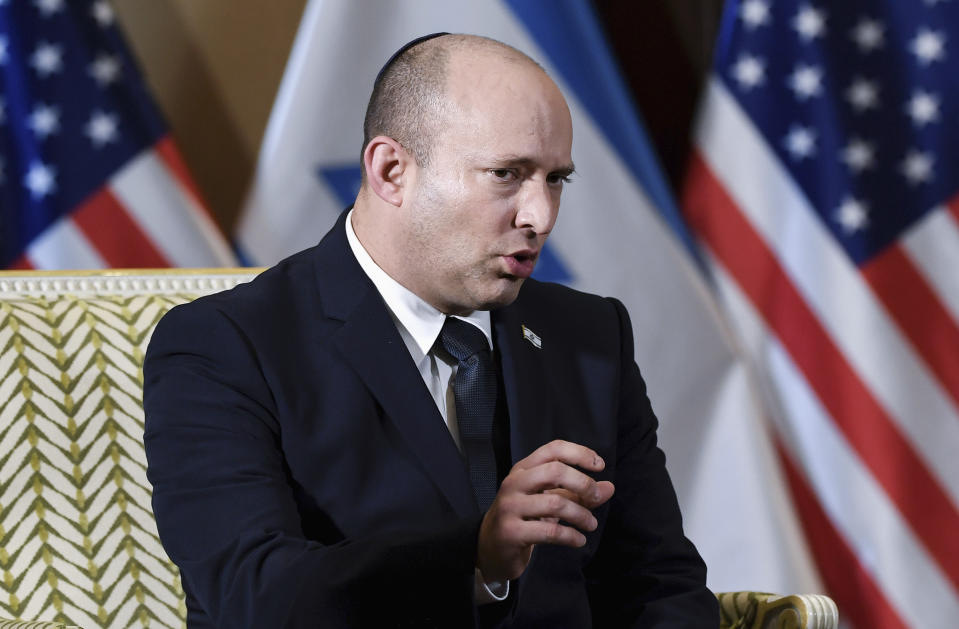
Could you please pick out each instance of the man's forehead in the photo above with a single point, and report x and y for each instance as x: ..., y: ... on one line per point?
x: 481, y: 82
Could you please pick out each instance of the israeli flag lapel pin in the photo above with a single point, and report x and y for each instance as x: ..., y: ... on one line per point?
x: 532, y: 337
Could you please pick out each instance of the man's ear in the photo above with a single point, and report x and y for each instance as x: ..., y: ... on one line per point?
x: 387, y: 166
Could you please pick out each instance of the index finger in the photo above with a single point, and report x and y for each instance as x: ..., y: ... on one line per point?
x: 565, y: 452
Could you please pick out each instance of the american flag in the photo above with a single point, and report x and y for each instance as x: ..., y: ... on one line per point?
x: 825, y: 192
x: 89, y: 177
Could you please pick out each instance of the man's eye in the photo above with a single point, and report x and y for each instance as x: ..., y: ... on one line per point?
x: 503, y: 174
x: 554, y: 179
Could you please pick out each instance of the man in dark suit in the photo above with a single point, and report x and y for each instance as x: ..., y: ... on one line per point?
x: 398, y: 428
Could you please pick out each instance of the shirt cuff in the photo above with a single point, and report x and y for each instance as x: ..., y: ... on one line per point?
x: 485, y: 593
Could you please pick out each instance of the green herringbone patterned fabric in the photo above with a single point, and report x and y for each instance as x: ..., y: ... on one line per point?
x: 12, y: 624
x: 79, y: 542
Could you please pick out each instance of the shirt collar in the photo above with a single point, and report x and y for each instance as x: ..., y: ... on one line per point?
x: 420, y: 320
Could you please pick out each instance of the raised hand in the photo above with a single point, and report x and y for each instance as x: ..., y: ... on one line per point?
x: 540, y: 491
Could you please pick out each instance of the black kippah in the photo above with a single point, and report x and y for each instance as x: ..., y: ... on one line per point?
x: 404, y: 48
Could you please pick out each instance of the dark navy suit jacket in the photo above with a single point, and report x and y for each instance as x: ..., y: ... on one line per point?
x: 303, y: 476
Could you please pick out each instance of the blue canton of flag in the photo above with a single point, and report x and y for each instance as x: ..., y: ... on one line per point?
x: 74, y: 114
x: 855, y: 100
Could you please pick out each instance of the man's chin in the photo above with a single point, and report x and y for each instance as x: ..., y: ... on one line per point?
x: 500, y: 293
x: 505, y: 296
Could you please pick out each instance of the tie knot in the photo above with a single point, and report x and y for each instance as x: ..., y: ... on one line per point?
x: 462, y: 339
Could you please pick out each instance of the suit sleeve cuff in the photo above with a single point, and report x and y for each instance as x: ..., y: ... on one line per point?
x: 489, y: 592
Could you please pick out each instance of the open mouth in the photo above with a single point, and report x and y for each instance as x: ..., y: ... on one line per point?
x: 521, y: 263
x: 523, y: 257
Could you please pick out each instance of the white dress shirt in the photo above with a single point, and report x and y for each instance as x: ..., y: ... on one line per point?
x: 419, y: 325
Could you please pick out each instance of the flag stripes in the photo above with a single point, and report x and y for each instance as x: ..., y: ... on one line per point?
x: 115, y: 235
x: 842, y: 340
x: 867, y: 426
x: 21, y: 264
x: 166, y: 211
x: 170, y: 156
x: 63, y: 245
x: 933, y: 245
x: 842, y: 573
x: 919, y: 312
x: 148, y: 215
x: 858, y: 509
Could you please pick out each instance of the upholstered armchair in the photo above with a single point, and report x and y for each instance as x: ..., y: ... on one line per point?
x: 78, y: 542
x: 759, y: 610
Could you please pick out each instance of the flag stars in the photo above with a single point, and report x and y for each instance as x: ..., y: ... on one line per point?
x: 806, y: 82
x: 47, y: 59
x: 859, y: 155
x: 863, y: 94
x: 754, y: 13
x: 749, y: 71
x: 48, y: 7
x: 852, y: 216
x: 923, y: 108
x: 105, y: 69
x: 40, y: 180
x: 869, y: 35
x: 102, y: 12
x: 44, y: 121
x: 917, y: 167
x: 810, y: 23
x: 928, y: 46
x: 102, y: 128
x: 800, y: 142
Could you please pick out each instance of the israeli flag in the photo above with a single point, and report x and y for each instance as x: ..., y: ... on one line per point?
x: 618, y: 234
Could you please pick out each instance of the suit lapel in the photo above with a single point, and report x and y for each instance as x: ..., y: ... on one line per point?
x: 524, y: 379
x: 370, y: 343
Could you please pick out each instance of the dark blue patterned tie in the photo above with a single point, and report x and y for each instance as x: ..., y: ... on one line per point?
x: 474, y: 388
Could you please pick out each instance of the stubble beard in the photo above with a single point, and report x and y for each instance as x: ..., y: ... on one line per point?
x: 450, y: 280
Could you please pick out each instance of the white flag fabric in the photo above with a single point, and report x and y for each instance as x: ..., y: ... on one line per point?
x: 618, y: 234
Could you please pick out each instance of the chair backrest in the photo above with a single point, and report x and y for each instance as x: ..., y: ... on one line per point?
x: 78, y: 542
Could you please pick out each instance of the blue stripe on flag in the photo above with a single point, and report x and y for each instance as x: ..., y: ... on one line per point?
x: 569, y: 33
x: 242, y: 257
x: 344, y: 180
x: 550, y: 268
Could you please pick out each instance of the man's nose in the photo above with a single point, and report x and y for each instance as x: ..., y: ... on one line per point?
x: 538, y: 207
